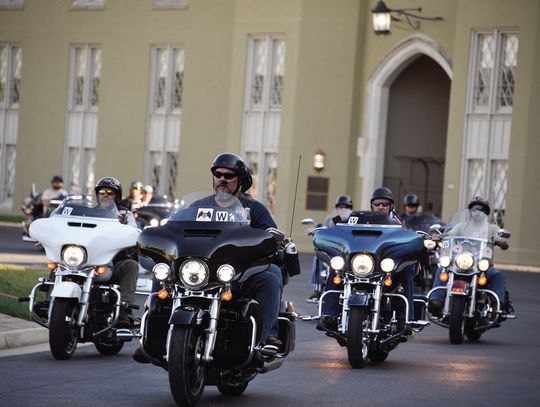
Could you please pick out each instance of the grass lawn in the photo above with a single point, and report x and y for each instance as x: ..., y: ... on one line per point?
x: 12, y: 218
x: 17, y: 282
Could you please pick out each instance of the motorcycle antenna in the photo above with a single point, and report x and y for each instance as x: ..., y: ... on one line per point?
x: 295, y: 192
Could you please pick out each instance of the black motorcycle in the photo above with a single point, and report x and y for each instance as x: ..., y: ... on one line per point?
x: 197, y: 326
x: 364, y: 256
x: 33, y: 209
x: 155, y: 213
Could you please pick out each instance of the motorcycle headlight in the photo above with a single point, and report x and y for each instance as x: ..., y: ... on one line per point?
x: 161, y: 271
x: 193, y: 273
x: 430, y: 244
x: 387, y: 265
x: 362, y: 265
x: 225, y: 273
x: 483, y: 265
x: 74, y: 256
x: 444, y: 261
x: 163, y: 221
x: 154, y: 222
x: 337, y: 263
x: 464, y: 261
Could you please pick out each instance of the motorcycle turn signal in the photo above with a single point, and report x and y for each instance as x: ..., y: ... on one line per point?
x: 162, y: 294
x: 387, y: 282
x: 444, y: 276
x: 482, y: 280
x: 226, y: 295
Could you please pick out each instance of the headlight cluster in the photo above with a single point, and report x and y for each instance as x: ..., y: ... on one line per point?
x: 483, y: 265
x: 464, y: 261
x: 362, y: 265
x: 74, y: 256
x: 430, y: 244
x: 225, y: 273
x: 193, y: 273
x: 444, y: 261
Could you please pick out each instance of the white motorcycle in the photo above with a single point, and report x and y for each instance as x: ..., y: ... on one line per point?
x: 81, y: 239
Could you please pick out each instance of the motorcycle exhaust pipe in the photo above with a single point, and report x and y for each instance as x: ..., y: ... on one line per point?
x: 272, y: 365
x: 126, y: 335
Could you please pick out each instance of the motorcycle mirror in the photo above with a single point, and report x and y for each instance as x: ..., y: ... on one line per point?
x: 435, y: 228
x: 308, y: 221
x: 504, y: 234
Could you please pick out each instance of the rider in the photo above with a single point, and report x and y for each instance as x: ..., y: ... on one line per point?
x: 134, y: 200
x: 411, y: 204
x: 343, y: 209
x: 56, y: 191
x: 381, y: 201
x: 230, y: 176
x: 147, y: 194
x: 478, y: 209
x: 125, y: 267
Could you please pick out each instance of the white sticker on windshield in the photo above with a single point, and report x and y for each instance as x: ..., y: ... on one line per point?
x: 224, y: 216
x: 353, y: 220
x: 67, y: 210
x: 204, y: 214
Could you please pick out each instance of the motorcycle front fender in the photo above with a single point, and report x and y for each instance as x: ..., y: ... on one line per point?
x: 359, y: 299
x: 183, y: 317
x: 459, y: 287
x: 67, y: 289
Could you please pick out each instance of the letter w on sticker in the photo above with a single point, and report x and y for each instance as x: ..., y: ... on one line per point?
x: 222, y: 216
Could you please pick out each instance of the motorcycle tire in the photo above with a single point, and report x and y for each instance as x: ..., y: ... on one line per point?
x: 377, y: 355
x: 457, y: 320
x: 186, y: 370
x: 109, y: 348
x: 471, y: 334
x: 63, y: 332
x: 229, y: 390
x: 356, y: 349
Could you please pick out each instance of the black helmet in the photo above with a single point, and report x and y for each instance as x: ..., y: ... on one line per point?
x: 136, y: 185
x: 56, y: 178
x: 382, y: 193
x: 479, y: 200
x: 411, y: 200
x: 235, y: 163
x: 112, y: 183
x: 344, y: 200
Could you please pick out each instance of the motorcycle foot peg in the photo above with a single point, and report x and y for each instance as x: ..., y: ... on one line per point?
x: 309, y: 317
x: 419, y: 324
x: 267, y: 350
x: 127, y: 335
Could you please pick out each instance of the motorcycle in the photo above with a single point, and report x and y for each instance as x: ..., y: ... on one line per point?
x: 364, y: 255
x: 469, y: 309
x: 428, y: 267
x: 81, y: 240
x: 155, y: 213
x: 33, y: 209
x: 197, y: 327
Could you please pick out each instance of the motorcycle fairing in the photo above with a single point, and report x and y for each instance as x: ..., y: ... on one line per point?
x: 102, y: 241
x: 382, y: 242
x: 219, y: 242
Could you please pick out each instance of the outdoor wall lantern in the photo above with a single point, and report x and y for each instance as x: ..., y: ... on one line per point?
x: 383, y: 16
x: 318, y: 160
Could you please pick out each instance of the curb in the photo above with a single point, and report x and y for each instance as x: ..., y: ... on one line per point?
x: 11, y: 224
x: 23, y: 337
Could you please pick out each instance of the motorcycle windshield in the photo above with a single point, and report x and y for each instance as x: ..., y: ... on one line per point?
x: 86, y: 206
x: 368, y: 232
x: 422, y: 222
x: 210, y: 208
x: 467, y: 231
x: 205, y: 225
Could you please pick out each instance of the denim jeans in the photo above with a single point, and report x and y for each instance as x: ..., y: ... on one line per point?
x: 496, y: 283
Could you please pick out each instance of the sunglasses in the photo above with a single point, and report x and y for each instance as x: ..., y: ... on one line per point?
x: 226, y: 175
x: 386, y: 204
x: 108, y: 192
x: 478, y: 210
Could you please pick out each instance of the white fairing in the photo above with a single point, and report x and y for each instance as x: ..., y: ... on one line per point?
x: 101, y: 242
x: 67, y: 289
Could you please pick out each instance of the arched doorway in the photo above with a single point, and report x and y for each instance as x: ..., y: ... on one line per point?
x: 416, y: 133
x: 372, y: 143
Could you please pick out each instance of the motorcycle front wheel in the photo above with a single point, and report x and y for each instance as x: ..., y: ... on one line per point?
x: 109, y: 348
x: 228, y: 389
x: 63, y: 331
x: 457, y: 320
x: 356, y: 349
x: 186, y: 368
